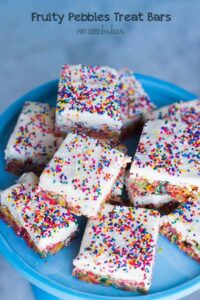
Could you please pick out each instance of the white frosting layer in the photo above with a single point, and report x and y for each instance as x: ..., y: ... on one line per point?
x: 83, y: 171
x: 88, y: 96
x: 186, y: 221
x: 118, y: 186
x: 71, y: 117
x: 30, y: 211
x: 29, y: 178
x: 33, y: 136
x: 168, y: 152
x: 143, y: 200
x: 120, y: 243
x: 117, y: 189
x: 156, y: 200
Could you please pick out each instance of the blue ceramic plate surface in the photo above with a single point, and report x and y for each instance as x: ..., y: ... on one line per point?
x: 175, y: 274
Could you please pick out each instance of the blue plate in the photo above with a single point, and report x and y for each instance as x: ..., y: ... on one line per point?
x: 175, y: 274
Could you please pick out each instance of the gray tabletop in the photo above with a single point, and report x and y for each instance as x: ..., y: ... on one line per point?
x: 32, y: 52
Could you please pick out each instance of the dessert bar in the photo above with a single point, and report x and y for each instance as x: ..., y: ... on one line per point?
x: 42, y: 223
x: 183, y: 228
x: 88, y: 101
x: 118, y: 248
x: 33, y: 142
x: 82, y: 173
x: 167, y: 161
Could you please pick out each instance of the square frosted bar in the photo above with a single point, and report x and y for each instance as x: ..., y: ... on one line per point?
x: 118, y: 248
x: 42, y: 223
x: 33, y: 142
x: 82, y: 173
x: 167, y: 161
x: 88, y: 101
x: 183, y: 228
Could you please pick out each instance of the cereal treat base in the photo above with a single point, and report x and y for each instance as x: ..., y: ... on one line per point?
x: 18, y: 167
x: 109, y: 281
x: 142, y: 186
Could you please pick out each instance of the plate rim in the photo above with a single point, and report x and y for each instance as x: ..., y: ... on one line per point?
x: 50, y: 285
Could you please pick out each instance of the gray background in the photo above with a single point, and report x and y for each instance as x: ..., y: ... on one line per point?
x: 32, y: 53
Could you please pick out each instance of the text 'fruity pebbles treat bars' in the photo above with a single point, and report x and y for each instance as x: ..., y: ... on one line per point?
x: 42, y: 223
x: 82, y: 173
x: 135, y: 103
x: 118, y: 248
x: 33, y: 142
x: 167, y: 161
x: 183, y: 228
x: 88, y: 101
x: 186, y: 112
